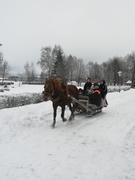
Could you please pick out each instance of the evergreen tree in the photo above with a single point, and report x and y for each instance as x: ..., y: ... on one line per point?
x: 59, y: 68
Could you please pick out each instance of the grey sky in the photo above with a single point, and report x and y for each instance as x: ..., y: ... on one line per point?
x: 89, y: 29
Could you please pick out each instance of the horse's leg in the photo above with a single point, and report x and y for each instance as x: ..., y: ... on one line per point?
x: 54, y: 115
x: 62, y: 113
x: 72, y: 113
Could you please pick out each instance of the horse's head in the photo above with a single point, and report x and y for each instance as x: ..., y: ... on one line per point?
x: 48, y: 90
x: 52, y: 88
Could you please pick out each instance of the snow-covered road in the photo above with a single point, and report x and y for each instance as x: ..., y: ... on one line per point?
x: 101, y: 147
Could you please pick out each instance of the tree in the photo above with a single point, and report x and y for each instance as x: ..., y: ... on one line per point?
x: 53, y: 61
x: 114, y: 63
x: 46, y: 60
x: 89, y: 68
x: 59, y: 67
x: 1, y: 61
x: 107, y: 72
x: 70, y: 66
x: 5, y: 69
x: 30, y: 72
x: 79, y: 70
x: 96, y: 71
x: 33, y: 72
x: 131, y: 66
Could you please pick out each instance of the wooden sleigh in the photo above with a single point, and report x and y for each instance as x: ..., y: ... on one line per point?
x: 84, y: 106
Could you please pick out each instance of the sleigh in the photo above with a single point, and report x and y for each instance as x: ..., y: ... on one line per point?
x: 84, y: 106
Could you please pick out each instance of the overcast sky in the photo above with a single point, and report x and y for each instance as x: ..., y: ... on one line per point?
x: 93, y: 30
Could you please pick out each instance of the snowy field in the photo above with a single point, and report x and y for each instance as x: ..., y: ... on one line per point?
x: 101, y: 147
x: 18, y: 88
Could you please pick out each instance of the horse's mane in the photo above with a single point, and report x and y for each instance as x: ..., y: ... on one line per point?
x: 57, y: 85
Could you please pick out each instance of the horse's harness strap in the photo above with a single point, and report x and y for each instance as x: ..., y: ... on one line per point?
x: 60, y: 96
x: 55, y: 100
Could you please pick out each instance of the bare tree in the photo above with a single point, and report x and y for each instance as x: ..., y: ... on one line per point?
x: 89, y: 68
x: 107, y: 75
x: 30, y: 72
x: 71, y: 66
x: 94, y: 71
x: 114, y: 64
x: 1, y: 61
x: 131, y: 66
x: 46, y: 60
x: 5, y: 69
x: 79, y: 70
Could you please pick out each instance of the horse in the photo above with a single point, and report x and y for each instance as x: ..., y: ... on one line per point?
x: 61, y: 94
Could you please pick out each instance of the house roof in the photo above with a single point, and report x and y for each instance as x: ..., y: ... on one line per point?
x: 128, y: 82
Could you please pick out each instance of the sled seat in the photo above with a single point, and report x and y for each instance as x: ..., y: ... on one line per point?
x: 82, y: 97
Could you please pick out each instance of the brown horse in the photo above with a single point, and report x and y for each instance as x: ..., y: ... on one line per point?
x: 60, y: 94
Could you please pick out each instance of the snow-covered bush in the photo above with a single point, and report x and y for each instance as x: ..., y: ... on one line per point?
x: 19, y: 100
x: 117, y: 88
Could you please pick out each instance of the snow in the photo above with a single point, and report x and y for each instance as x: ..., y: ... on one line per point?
x: 18, y: 88
x: 101, y: 147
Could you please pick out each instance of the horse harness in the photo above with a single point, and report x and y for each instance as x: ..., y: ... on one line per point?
x: 56, y: 96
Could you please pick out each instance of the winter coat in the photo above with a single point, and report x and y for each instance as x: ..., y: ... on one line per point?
x: 95, y: 98
x: 87, y: 86
x: 103, y: 89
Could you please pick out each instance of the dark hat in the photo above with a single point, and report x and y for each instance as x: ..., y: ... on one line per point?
x: 103, y: 81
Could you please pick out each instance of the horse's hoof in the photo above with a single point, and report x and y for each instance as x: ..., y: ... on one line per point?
x: 64, y: 119
x: 53, y: 126
x: 70, y: 119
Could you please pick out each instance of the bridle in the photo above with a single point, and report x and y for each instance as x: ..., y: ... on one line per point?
x: 51, y: 95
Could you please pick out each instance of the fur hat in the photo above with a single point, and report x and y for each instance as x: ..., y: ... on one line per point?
x: 96, y: 87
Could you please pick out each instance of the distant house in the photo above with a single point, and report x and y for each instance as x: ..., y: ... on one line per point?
x: 129, y: 83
